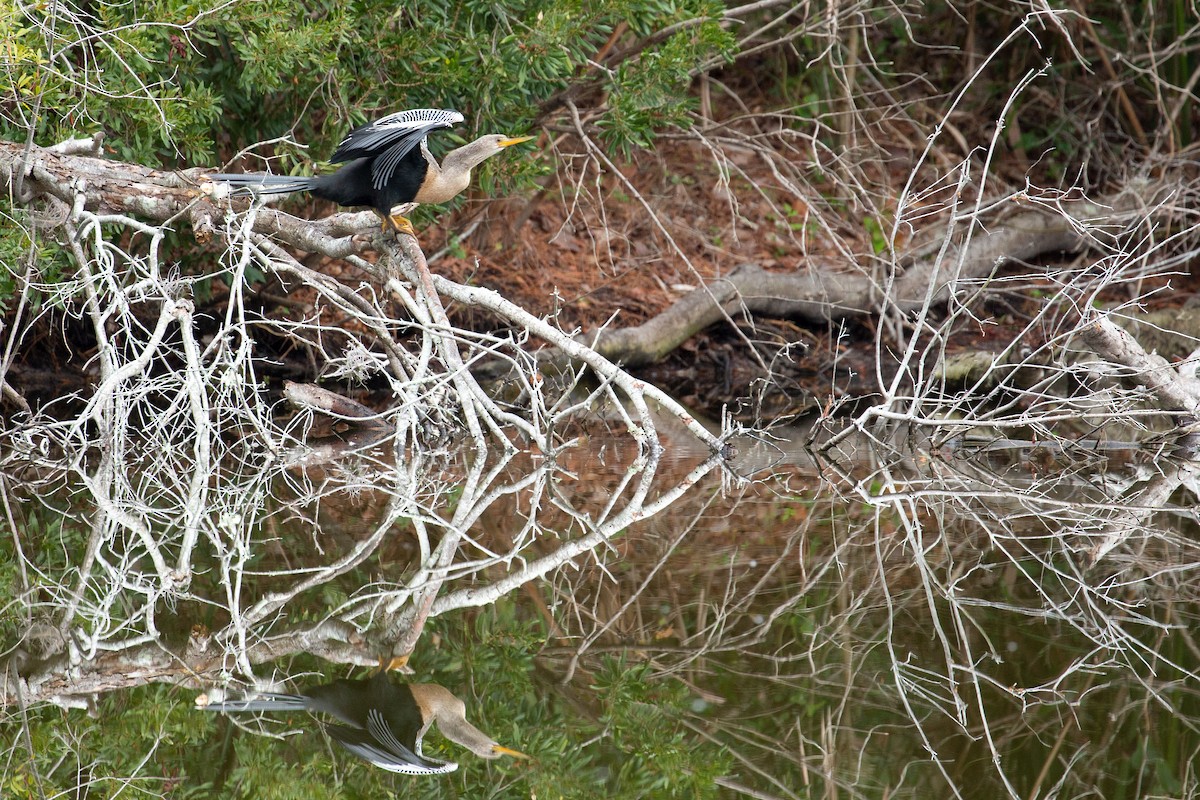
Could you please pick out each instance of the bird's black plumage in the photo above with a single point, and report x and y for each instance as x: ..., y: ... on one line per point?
x: 383, y: 722
x: 387, y: 142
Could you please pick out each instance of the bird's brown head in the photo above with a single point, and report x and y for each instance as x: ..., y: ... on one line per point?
x: 469, y: 156
x: 498, y: 751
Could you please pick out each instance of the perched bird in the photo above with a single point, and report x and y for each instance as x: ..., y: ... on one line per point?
x: 388, y: 164
x: 384, y: 721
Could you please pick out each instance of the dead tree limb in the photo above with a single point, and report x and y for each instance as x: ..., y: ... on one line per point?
x: 111, y: 187
x: 820, y: 295
x: 72, y: 681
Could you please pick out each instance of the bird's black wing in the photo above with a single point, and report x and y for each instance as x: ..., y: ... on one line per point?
x: 402, y: 127
x: 384, y: 167
x: 361, y: 744
x: 389, y: 755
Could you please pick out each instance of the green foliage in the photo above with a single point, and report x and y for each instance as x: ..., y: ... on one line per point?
x: 14, y: 252
x: 164, y: 76
x: 112, y: 70
x: 136, y: 741
x: 879, y: 240
x: 657, y: 753
x: 11, y: 617
x: 23, y: 258
x: 455, y: 246
x: 649, y: 93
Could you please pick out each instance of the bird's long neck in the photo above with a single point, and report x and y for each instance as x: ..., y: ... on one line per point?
x: 438, y: 704
x: 442, y: 182
x: 453, y: 175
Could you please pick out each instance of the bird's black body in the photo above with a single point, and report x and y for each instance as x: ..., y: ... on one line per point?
x: 348, y: 701
x: 351, y: 185
x: 353, y: 701
x: 385, y: 164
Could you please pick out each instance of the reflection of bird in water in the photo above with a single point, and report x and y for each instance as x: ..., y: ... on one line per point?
x: 388, y: 165
x: 384, y: 721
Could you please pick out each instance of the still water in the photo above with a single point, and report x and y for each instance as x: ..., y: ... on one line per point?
x: 924, y: 619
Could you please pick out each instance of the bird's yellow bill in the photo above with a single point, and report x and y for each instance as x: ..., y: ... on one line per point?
x: 505, y: 751
x: 514, y: 140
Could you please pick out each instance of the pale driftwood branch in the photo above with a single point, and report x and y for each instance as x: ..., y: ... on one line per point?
x: 306, y: 395
x: 578, y: 351
x: 85, y: 146
x: 113, y: 187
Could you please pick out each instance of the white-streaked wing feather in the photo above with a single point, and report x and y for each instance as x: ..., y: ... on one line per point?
x: 377, y: 726
x: 362, y: 744
x: 381, y: 758
x: 379, y: 135
x: 419, y: 116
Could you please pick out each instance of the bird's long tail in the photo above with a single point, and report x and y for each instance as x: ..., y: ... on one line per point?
x: 261, y: 702
x: 259, y: 183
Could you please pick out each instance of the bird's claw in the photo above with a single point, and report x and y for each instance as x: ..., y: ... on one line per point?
x: 393, y: 664
x: 400, y: 225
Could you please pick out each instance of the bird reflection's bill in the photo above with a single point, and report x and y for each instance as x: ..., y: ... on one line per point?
x: 505, y: 751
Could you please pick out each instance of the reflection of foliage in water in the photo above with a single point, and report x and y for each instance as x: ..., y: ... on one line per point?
x: 782, y: 642
x: 153, y: 739
x: 810, y: 628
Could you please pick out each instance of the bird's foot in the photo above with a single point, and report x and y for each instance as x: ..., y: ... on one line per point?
x: 392, y: 664
x: 400, y: 225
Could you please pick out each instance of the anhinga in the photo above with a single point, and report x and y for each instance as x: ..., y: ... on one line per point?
x: 384, y: 721
x: 388, y: 164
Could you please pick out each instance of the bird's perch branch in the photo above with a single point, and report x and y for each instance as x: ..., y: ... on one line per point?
x: 115, y: 188
x: 62, y: 679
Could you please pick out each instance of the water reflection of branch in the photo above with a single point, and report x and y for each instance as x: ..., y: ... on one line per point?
x: 599, y: 533
x: 1131, y: 516
x: 633, y: 597
x: 980, y: 541
x: 200, y: 498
